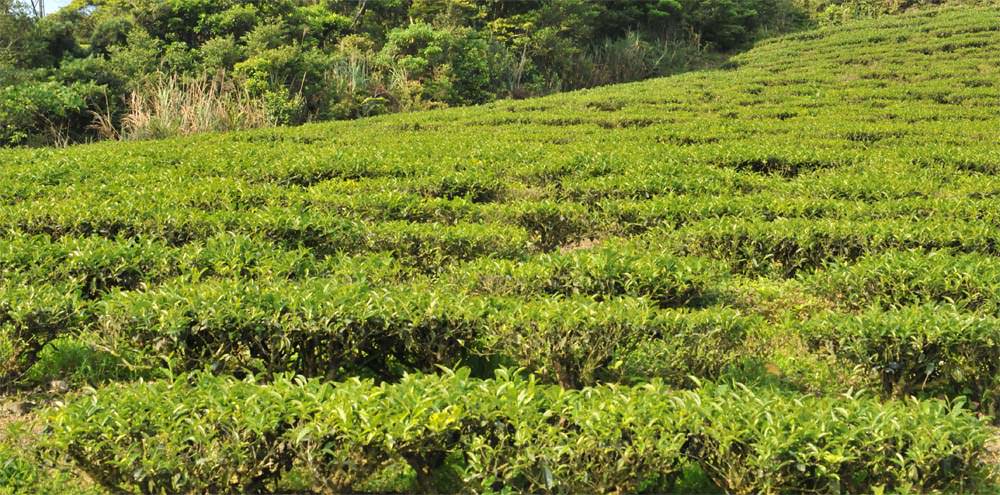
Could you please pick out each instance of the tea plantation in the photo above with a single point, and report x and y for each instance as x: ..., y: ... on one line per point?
x: 776, y: 277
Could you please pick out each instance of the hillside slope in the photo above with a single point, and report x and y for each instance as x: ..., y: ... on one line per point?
x: 819, y: 221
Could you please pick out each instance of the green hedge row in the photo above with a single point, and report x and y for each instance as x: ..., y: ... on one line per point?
x: 607, y: 271
x: 507, y: 434
x: 348, y: 217
x: 895, y: 279
x: 921, y: 350
x: 317, y: 327
x: 844, y: 195
x: 578, y: 341
x: 248, y: 306
x: 98, y: 265
x: 421, y: 245
x: 31, y: 316
x: 326, y: 328
x: 787, y: 246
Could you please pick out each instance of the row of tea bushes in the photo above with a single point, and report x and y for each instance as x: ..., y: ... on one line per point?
x: 787, y: 246
x: 201, y: 433
x: 250, y: 306
x: 32, y: 316
x: 926, y: 350
x: 900, y: 278
x: 426, y: 246
x: 323, y: 327
x: 99, y: 266
x: 606, y: 271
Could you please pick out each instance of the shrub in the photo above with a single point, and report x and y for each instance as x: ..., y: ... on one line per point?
x: 289, y: 80
x: 42, y: 113
x: 317, y: 328
x: 528, y: 438
x: 553, y: 224
x: 574, y: 341
x: 424, y: 246
x: 922, y: 350
x: 761, y: 442
x: 241, y: 449
x: 97, y: 266
x: 725, y: 23
x: 31, y: 316
x: 787, y: 246
x: 93, y: 264
x: 895, y: 279
x: 602, y: 272
x: 449, y: 64
x: 507, y: 433
x: 363, y: 428
x: 704, y: 343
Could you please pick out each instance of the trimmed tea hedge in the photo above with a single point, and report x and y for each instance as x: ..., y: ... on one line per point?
x: 507, y: 433
x: 895, y: 279
x: 925, y: 350
x: 323, y: 327
x: 603, y: 272
x: 317, y: 328
x: 787, y: 246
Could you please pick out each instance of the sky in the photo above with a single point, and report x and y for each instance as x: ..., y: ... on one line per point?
x: 54, y: 5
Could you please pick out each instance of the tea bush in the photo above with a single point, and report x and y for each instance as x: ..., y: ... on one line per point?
x: 759, y: 443
x: 507, y: 433
x: 602, y: 272
x: 320, y: 327
x: 31, y: 316
x: 896, y: 279
x: 787, y: 246
x: 925, y: 350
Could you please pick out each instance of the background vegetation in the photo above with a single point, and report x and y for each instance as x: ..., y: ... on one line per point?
x: 137, y: 69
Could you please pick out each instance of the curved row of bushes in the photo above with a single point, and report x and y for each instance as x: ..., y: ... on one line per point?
x: 99, y: 265
x: 335, y: 327
x: 194, y: 198
x: 785, y: 247
x: 575, y: 318
x: 202, y: 433
x: 607, y: 271
x: 420, y: 245
x: 326, y: 328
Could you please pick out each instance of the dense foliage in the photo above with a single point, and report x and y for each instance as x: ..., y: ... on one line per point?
x: 154, y: 68
x: 512, y: 434
x: 774, y: 277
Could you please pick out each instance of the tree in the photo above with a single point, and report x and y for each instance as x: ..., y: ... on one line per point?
x: 37, y: 8
x: 16, y: 27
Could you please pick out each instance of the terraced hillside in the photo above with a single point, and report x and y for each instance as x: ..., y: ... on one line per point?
x: 778, y: 277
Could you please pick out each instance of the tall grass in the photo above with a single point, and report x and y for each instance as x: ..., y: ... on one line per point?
x: 172, y: 106
x: 368, y: 83
x: 633, y: 57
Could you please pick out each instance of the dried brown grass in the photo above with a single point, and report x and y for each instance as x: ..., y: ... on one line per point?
x: 170, y: 106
